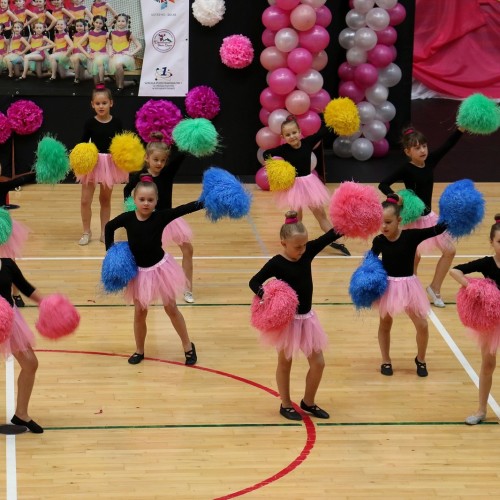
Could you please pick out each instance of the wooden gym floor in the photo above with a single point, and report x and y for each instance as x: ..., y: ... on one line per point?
x: 161, y: 430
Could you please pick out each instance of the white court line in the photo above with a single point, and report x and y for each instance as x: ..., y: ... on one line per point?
x: 462, y: 359
x: 10, y: 445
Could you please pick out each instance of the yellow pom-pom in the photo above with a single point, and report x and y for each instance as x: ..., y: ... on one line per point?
x: 83, y: 158
x: 127, y: 152
x: 280, y: 174
x: 342, y: 116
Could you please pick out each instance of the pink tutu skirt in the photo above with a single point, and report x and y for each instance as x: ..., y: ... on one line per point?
x: 490, y: 340
x: 307, y: 191
x: 105, y: 172
x: 163, y: 281
x: 14, y: 246
x: 404, y: 294
x: 304, y: 333
x: 440, y: 242
x: 178, y: 232
x: 21, y: 337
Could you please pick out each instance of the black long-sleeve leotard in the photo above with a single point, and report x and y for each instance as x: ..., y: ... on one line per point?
x: 12, y: 184
x: 486, y: 266
x: 11, y: 274
x: 101, y: 134
x: 297, y: 273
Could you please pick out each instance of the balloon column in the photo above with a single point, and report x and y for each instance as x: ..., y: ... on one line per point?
x: 368, y: 74
x: 295, y: 39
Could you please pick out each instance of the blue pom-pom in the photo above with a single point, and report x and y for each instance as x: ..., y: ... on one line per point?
x: 224, y: 195
x: 368, y: 282
x: 461, y: 207
x: 118, y: 267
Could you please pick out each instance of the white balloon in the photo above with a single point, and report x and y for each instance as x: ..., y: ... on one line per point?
x: 377, y: 19
x: 366, y: 111
x: 355, y: 19
x: 342, y: 147
x: 314, y: 161
x: 374, y: 130
x: 356, y: 56
x: 346, y: 38
x: 386, y: 4
x: 275, y: 120
x: 390, y: 75
x: 385, y: 112
x: 311, y: 81
x: 377, y: 94
x: 362, y: 149
x: 315, y: 4
x: 260, y: 156
x: 363, y: 6
x: 365, y: 38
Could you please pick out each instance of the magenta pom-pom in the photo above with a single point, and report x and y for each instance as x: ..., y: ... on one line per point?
x: 6, y: 320
x: 236, y: 51
x: 157, y: 116
x: 276, y: 309
x: 5, y: 129
x: 57, y: 317
x: 25, y: 117
x: 202, y: 102
x: 355, y: 210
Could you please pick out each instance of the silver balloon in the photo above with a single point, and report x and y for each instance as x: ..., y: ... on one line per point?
x: 377, y: 19
x: 314, y: 161
x: 390, y: 75
x: 374, y: 130
x: 386, y: 4
x: 365, y: 38
x: 342, y: 147
x: 385, y: 112
x: 366, y: 111
x: 363, y: 6
x: 356, y: 56
x: 346, y: 38
x: 354, y: 136
x: 362, y: 149
x: 355, y: 19
x: 377, y: 94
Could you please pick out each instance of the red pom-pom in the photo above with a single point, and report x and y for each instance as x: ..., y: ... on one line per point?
x: 276, y: 309
x: 57, y: 317
x: 355, y: 210
x: 5, y: 129
x: 157, y: 116
x: 25, y: 117
x: 6, y: 319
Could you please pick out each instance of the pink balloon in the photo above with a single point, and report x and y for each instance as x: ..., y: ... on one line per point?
x: 394, y: 52
x: 387, y: 36
x: 323, y: 16
x: 315, y: 39
x: 297, y: 102
x: 272, y: 58
x: 319, y: 100
x: 268, y: 37
x: 320, y: 60
x: 365, y: 75
x: 351, y: 90
x: 287, y: 4
x: 303, y: 17
x: 397, y: 14
x: 380, y: 56
x: 346, y: 72
x: 266, y: 139
x: 261, y: 179
x: 309, y: 123
x: 264, y: 116
x: 270, y: 100
x: 299, y: 60
x: 380, y: 148
x: 275, y: 18
x: 282, y: 81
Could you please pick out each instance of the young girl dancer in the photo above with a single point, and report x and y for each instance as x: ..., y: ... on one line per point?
x: 122, y: 55
x: 61, y: 13
x: 404, y: 291
x: 96, y: 52
x: 159, y: 277
x: 304, y: 333
x: 489, y: 267
x: 26, y: 16
x: 100, y: 130
x: 17, y: 48
x: 63, y: 46
x: 78, y: 10
x: 99, y: 8
x: 418, y: 175
x: 37, y: 59
x: 308, y: 190
x: 7, y: 17
x: 158, y: 154
x: 80, y: 47
x: 43, y: 15
x: 4, y: 42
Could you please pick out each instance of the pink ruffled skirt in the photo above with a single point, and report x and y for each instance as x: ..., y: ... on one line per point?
x: 163, y: 281
x: 405, y: 294
x: 178, y: 232
x: 490, y: 340
x: 21, y: 337
x: 307, y: 191
x: 440, y: 242
x: 304, y: 333
x: 14, y: 246
x: 105, y: 172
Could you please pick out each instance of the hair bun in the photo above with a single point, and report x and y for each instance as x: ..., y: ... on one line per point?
x: 156, y: 136
x: 146, y: 178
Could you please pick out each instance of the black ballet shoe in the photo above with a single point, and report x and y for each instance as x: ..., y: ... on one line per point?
x: 386, y: 369
x: 31, y: 425
x: 314, y: 410
x: 421, y: 368
x: 341, y: 248
x: 191, y: 357
x: 290, y: 413
x: 136, y: 358
x: 18, y: 301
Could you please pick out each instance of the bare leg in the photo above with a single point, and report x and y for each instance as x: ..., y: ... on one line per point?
x: 320, y: 215
x: 313, y: 378
x: 488, y: 364
x: 140, y: 327
x: 384, y: 338
x: 179, y: 324
x: 283, y: 379
x: 299, y: 214
x: 105, y: 203
x: 86, y: 205
x: 29, y: 363
x: 187, y: 263
x: 442, y: 268
x: 422, y: 336
x: 119, y: 76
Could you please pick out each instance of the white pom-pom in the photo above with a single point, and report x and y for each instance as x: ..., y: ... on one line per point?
x: 208, y: 12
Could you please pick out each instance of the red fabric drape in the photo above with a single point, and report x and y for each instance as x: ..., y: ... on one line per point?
x: 457, y: 46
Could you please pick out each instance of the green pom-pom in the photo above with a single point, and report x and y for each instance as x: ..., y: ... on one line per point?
x: 196, y: 136
x: 412, y: 208
x: 478, y: 115
x: 52, y: 162
x: 129, y: 204
x: 5, y: 226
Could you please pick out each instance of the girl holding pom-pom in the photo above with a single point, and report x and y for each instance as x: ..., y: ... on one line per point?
x: 159, y: 276
x: 418, y: 175
x: 158, y: 154
x: 489, y: 267
x: 304, y: 333
x: 307, y: 191
x: 404, y: 291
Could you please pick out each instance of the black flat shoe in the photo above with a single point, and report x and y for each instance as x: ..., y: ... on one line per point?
x: 18, y: 301
x: 290, y: 413
x: 191, y: 357
x: 421, y: 368
x: 31, y: 425
x: 341, y: 248
x: 136, y: 358
x: 386, y: 369
x: 314, y: 410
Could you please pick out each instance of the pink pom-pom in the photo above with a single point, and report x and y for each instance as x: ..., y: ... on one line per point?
x: 276, y: 309
x: 157, y: 116
x: 6, y: 320
x: 25, y: 117
x: 236, y: 51
x: 5, y: 129
x: 355, y: 210
x: 57, y: 317
x: 202, y: 102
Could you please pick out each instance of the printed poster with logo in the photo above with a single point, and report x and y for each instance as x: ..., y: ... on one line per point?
x: 166, y: 33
